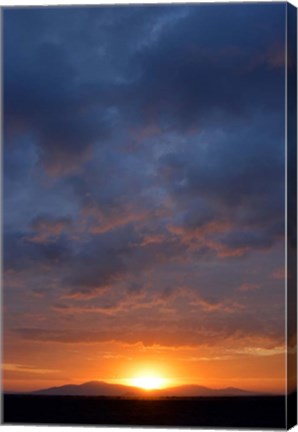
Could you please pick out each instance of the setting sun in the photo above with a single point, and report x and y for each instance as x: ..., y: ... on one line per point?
x: 149, y: 375
x: 148, y: 382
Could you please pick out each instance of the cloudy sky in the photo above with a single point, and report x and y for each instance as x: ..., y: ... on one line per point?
x: 144, y: 194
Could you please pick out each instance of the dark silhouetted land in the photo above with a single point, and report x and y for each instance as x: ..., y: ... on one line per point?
x: 101, y: 388
x: 229, y: 411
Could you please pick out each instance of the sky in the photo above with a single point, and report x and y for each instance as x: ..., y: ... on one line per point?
x: 144, y: 195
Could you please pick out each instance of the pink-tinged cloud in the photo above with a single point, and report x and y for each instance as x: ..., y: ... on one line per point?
x: 280, y: 273
x: 46, y: 228
x: 245, y: 287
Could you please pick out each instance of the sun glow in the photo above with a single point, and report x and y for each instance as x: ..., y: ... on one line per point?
x: 149, y: 382
x: 149, y: 375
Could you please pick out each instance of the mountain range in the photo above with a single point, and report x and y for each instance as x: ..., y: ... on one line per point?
x: 100, y: 388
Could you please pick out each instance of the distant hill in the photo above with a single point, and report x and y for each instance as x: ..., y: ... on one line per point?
x: 196, y: 390
x: 91, y: 388
x: 99, y: 388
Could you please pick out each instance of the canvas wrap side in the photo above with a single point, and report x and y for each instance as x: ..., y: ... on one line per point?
x: 291, y: 124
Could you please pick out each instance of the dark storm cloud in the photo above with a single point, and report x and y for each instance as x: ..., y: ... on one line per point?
x: 246, y: 240
x: 187, y: 72
x: 90, y: 265
x: 199, y: 72
x: 40, y: 96
x: 230, y: 182
x: 46, y: 90
x: 22, y: 253
x: 144, y: 146
x: 96, y: 264
x: 114, y: 256
x: 100, y: 262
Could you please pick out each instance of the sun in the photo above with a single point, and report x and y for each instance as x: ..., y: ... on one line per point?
x: 148, y: 382
x: 149, y: 377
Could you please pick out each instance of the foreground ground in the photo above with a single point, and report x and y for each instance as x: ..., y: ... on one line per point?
x: 249, y: 412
